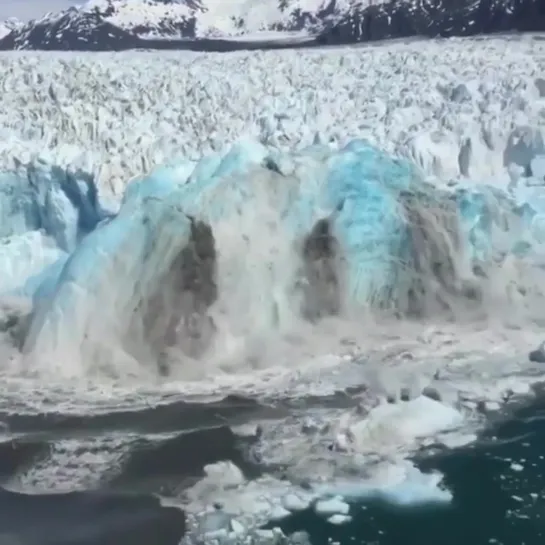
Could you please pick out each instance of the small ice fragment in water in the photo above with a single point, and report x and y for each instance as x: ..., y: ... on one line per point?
x: 333, y: 506
x: 300, y: 538
x: 279, y: 513
x: 339, y: 519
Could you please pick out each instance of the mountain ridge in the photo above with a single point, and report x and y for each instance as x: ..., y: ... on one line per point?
x: 113, y: 25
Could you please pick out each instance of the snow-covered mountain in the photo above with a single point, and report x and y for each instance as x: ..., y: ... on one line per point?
x: 219, y: 24
x: 434, y: 18
x: 122, y: 24
x: 8, y: 26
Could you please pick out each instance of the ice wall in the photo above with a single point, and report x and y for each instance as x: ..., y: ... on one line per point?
x: 40, y: 196
x: 106, y: 280
x: 44, y: 212
x: 253, y: 240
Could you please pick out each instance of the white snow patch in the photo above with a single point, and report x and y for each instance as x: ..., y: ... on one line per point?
x: 4, y: 30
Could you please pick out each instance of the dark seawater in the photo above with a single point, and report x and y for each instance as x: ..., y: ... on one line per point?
x: 498, y: 482
x: 161, y: 449
x: 498, y: 486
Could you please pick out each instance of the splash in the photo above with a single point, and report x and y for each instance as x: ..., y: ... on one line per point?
x: 224, y: 263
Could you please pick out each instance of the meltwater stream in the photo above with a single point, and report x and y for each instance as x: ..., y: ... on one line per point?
x: 309, y: 341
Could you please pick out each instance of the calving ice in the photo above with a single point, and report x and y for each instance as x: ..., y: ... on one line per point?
x: 249, y: 244
x: 202, y: 264
x: 267, y: 288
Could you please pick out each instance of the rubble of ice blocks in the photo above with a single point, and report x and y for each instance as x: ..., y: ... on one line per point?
x: 358, y: 188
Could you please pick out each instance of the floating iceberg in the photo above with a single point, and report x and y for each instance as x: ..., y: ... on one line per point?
x: 255, y: 237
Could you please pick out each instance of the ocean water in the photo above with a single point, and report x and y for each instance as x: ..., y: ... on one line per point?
x: 497, y: 484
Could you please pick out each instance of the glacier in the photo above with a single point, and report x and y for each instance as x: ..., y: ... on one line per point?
x: 249, y: 242
x: 253, y: 239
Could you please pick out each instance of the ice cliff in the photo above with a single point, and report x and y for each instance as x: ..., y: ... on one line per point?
x: 253, y: 240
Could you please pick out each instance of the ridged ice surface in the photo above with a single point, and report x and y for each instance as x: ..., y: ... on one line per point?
x: 456, y: 108
x: 277, y: 225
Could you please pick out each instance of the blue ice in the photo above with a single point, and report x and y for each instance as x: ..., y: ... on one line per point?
x: 39, y: 196
x: 120, y: 258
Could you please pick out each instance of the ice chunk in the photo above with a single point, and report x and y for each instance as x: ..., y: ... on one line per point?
x: 332, y: 506
x: 38, y: 195
x: 402, y: 423
x: 339, y: 519
x: 278, y: 513
x: 397, y: 483
x: 292, y: 502
x: 23, y: 256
